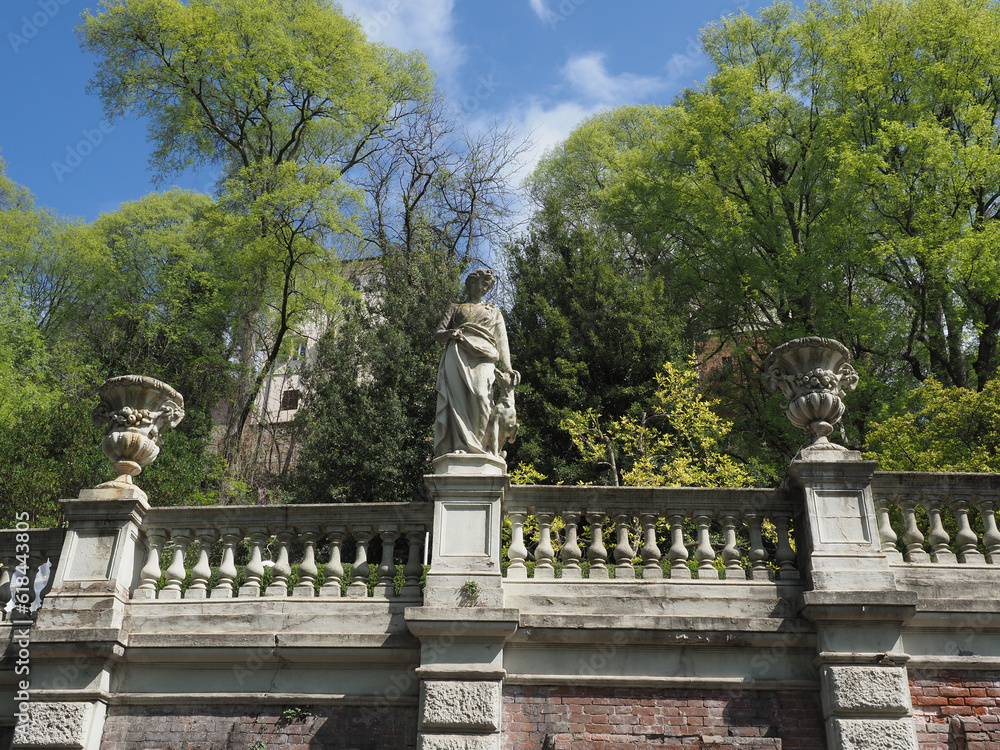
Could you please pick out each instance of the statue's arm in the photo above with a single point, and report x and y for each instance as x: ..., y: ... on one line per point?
x: 502, y: 346
x: 445, y: 332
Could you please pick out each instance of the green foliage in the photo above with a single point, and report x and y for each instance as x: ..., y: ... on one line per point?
x: 941, y: 429
x: 148, y: 289
x: 835, y: 175
x: 526, y: 474
x: 370, y: 403
x: 287, y: 97
x: 295, y: 713
x: 246, y: 83
x: 675, y: 440
x: 585, y: 333
x: 177, y: 286
x: 470, y: 592
x: 48, y: 453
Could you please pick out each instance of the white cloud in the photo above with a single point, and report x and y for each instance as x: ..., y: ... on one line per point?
x: 542, y: 11
x: 547, y: 126
x: 589, y: 77
x: 426, y: 25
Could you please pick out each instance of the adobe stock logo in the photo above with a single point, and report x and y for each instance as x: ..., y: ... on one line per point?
x: 30, y: 26
x: 75, y: 155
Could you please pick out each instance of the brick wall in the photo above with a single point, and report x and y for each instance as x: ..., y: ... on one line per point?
x: 240, y: 727
x: 566, y: 718
x: 956, y: 710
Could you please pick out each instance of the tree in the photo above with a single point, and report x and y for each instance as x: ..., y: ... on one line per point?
x: 942, y: 428
x: 836, y: 175
x: 370, y: 398
x: 148, y: 289
x: 287, y: 96
x: 585, y: 333
x: 674, y: 440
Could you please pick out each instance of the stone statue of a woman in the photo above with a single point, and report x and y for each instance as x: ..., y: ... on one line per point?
x: 475, y: 384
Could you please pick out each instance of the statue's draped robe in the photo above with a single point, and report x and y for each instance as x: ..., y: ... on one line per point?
x: 465, y: 378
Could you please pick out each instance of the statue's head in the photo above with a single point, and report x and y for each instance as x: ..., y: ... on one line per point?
x: 481, y: 278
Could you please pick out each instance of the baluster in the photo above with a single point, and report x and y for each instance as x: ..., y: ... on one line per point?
x: 227, y: 567
x: 571, y: 554
x: 991, y: 535
x: 176, y: 573
x: 785, y: 555
x: 886, y: 535
x: 149, y: 576
x: 282, y: 568
x: 731, y: 553
x: 623, y: 550
x: 596, y: 553
x: 333, y: 571
x: 965, y: 538
x: 544, y: 554
x: 705, y: 552
x: 413, y: 568
x: 517, y: 553
x: 386, y: 567
x: 253, y: 573
x: 678, y: 554
x: 202, y: 570
x: 912, y: 538
x: 757, y: 554
x: 650, y: 551
x: 306, y: 586
x: 937, y: 536
x: 360, y: 569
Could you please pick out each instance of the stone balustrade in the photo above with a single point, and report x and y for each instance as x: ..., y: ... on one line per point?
x: 225, y: 552
x: 944, y: 519
x: 43, y: 548
x: 613, y: 532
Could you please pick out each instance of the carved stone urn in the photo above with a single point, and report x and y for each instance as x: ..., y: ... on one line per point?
x: 133, y: 411
x: 812, y: 374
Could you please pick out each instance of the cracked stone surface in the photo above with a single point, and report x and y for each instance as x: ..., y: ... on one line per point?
x: 462, y: 705
x: 875, y: 689
x: 53, y: 725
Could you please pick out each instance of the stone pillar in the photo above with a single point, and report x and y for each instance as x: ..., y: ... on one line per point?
x: 854, y: 603
x: 465, y: 552
x: 462, y: 625
x: 461, y: 675
x: 78, y: 638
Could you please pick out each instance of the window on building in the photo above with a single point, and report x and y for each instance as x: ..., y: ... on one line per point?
x: 289, y: 399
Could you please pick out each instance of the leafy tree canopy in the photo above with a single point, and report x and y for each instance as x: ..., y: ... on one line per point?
x: 838, y: 174
x: 674, y: 440
x: 943, y: 428
x: 248, y: 83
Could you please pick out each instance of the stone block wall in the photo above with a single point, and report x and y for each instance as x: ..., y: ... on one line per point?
x: 241, y: 727
x: 956, y: 710
x: 593, y: 718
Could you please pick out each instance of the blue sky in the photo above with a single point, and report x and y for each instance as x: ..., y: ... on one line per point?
x: 543, y: 65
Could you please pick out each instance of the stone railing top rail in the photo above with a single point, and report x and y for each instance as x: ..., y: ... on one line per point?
x: 909, y: 483
x: 638, y: 500
x: 46, y: 541
x: 349, y: 517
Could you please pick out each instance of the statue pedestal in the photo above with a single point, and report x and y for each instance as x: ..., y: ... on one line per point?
x: 467, y: 490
